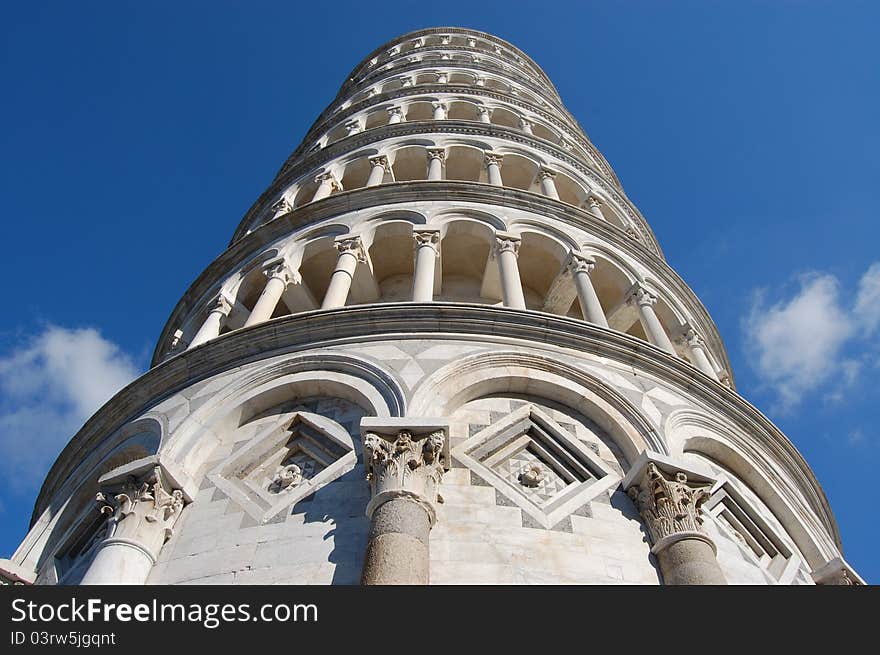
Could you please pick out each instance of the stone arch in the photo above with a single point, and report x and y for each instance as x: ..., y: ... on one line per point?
x: 541, y: 257
x: 391, y: 251
x: 688, y: 431
x: 258, y: 388
x: 410, y: 162
x: 464, y: 249
x: 537, y: 375
x: 319, y: 257
x: 465, y: 162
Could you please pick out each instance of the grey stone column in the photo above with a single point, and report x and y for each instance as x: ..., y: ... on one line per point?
x: 493, y: 168
x: 210, y: 329
x: 670, y: 508
x: 279, y: 276
x: 507, y: 251
x: 404, y: 474
x: 351, y: 252
x: 436, y: 157
x: 378, y: 168
x: 427, y: 242
x: 581, y: 266
x: 142, y: 512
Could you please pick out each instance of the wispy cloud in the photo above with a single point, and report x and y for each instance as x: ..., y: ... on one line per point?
x: 49, y: 386
x: 796, y: 344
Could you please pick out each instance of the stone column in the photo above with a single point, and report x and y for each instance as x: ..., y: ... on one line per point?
x: 594, y: 206
x: 525, y: 126
x: 379, y: 167
x: 352, y: 128
x: 142, y: 514
x: 493, y: 168
x: 351, y: 252
x: 427, y: 252
x: 581, y: 266
x: 279, y: 276
x: 485, y: 114
x: 442, y: 78
x: 671, y: 511
x: 404, y: 474
x: 480, y: 81
x: 653, y: 328
x: 698, y: 352
x: 211, y: 327
x: 395, y: 115
x: 439, y: 111
x: 327, y: 184
x: 283, y: 206
x: 436, y: 157
x: 548, y: 186
x: 506, y: 250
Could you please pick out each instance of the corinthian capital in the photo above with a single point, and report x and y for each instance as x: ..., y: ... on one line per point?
x: 495, y: 158
x: 281, y: 271
x: 505, y: 242
x: 351, y: 245
x: 641, y: 295
x: 142, y: 510
x: 546, y: 173
x: 283, y: 206
x: 380, y: 160
x: 579, y: 263
x: 437, y: 153
x: 329, y: 178
x: 402, y: 465
x: 427, y: 237
x: 668, y: 505
x: 221, y: 304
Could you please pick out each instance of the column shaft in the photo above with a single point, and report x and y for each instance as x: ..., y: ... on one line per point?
x: 426, y: 256
x: 493, y: 169
x: 210, y: 329
x: 591, y: 308
x: 350, y: 253
x: 508, y: 268
x: 278, y: 280
x: 397, y: 547
x: 378, y: 170
x: 653, y: 328
x: 548, y: 185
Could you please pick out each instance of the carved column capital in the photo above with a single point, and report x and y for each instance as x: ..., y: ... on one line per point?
x: 221, y: 305
x: 641, y: 295
x: 494, y: 158
x: 437, y: 153
x: 351, y: 245
x: 329, y: 178
x: 353, y: 127
x: 402, y: 465
x: 438, y: 105
x: 281, y: 271
x: 837, y: 572
x: 281, y: 207
x: 669, y: 506
x: 395, y: 111
x: 580, y: 263
x: 381, y: 160
x: 505, y: 242
x: 545, y: 173
x: 691, y: 337
x: 593, y: 202
x: 428, y: 237
x: 525, y: 123
x: 484, y: 110
x: 142, y: 511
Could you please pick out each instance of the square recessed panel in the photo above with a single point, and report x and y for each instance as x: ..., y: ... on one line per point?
x: 289, y: 460
x: 536, y: 464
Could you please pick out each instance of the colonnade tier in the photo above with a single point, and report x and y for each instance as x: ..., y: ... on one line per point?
x: 479, y: 43
x: 469, y: 147
x: 458, y: 260
x: 551, y: 231
x: 398, y: 103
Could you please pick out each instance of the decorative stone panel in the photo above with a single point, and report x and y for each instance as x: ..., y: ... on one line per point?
x: 537, y: 465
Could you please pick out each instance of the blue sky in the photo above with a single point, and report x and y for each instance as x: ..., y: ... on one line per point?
x: 136, y: 135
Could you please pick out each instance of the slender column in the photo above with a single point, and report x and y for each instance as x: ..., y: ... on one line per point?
x: 698, y: 352
x: 142, y: 514
x: 327, y: 184
x: 671, y: 511
x: 485, y: 114
x: 395, y: 115
x: 352, y: 127
x: 436, y: 157
x: 493, y: 168
x: 653, y: 328
x: 279, y: 276
x: 442, y: 78
x: 526, y: 126
x: 407, y: 82
x: 480, y: 81
x: 439, y: 111
x: 581, y: 266
x: 594, y: 206
x: 404, y: 474
x: 548, y: 186
x: 351, y: 251
x: 379, y: 168
x: 211, y: 327
x: 472, y: 43
x: 427, y: 252
x: 507, y: 250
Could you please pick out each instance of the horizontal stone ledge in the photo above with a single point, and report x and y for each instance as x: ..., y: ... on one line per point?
x: 365, y: 323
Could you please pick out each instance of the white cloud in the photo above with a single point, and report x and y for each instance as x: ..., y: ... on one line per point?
x: 797, y: 344
x: 867, y: 309
x: 48, y: 388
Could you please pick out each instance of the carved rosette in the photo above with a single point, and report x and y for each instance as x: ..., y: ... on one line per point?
x: 669, y: 507
x: 142, y: 511
x: 406, y: 466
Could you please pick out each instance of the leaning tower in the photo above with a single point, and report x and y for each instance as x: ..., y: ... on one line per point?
x: 443, y: 346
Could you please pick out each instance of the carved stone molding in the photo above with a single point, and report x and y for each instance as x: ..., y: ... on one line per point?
x: 427, y: 237
x: 351, y: 245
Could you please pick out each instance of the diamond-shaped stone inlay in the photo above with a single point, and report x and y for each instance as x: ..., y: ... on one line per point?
x: 537, y: 464
x: 285, y: 462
